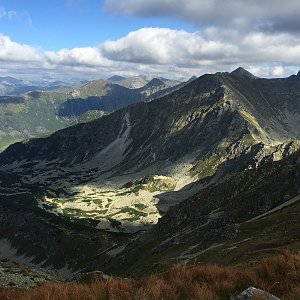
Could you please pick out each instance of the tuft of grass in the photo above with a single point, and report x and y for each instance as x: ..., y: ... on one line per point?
x: 133, y: 212
x: 140, y: 206
x: 206, y: 167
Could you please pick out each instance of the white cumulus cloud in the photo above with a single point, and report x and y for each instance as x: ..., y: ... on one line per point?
x: 87, y: 56
x: 11, y: 51
x: 212, y: 47
x: 166, y: 52
x: 166, y: 46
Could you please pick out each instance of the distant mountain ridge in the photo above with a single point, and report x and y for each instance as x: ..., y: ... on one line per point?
x: 59, y: 108
x: 10, y: 86
x: 137, y: 82
x: 116, y: 78
x: 98, y: 95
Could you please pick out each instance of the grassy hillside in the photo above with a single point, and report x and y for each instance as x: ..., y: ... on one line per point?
x: 35, y: 115
x: 279, y: 275
x: 39, y: 113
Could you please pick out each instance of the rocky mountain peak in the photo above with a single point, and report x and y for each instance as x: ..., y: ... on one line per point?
x: 155, y: 82
x: 295, y: 76
x: 116, y: 78
x: 194, y: 77
x: 153, y: 86
x: 241, y: 72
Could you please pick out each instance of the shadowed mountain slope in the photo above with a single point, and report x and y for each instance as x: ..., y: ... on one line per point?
x: 246, y: 216
x: 122, y: 172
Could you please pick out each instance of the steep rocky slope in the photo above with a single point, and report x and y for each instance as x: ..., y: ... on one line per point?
x: 120, y: 173
x: 244, y: 217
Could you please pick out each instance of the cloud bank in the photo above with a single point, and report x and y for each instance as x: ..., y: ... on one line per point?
x: 164, y: 51
x: 266, y: 15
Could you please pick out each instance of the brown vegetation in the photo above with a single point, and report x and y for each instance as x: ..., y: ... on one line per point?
x: 278, y: 275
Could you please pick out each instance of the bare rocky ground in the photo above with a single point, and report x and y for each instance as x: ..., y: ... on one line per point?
x: 13, y: 275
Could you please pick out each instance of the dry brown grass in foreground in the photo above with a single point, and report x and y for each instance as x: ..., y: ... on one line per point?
x: 278, y: 275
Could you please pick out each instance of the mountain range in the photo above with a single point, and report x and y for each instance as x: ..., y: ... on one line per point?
x: 207, y: 172
x: 137, y: 82
x: 10, y: 86
x: 43, y: 110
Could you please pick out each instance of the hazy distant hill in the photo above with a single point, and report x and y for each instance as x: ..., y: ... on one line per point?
x: 10, y: 86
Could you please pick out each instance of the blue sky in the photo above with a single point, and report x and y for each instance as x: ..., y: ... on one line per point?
x: 172, y: 38
x: 57, y: 24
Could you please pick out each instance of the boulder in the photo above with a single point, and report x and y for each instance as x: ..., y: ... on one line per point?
x: 251, y: 293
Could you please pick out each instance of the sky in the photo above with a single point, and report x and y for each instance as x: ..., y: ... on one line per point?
x: 170, y: 38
